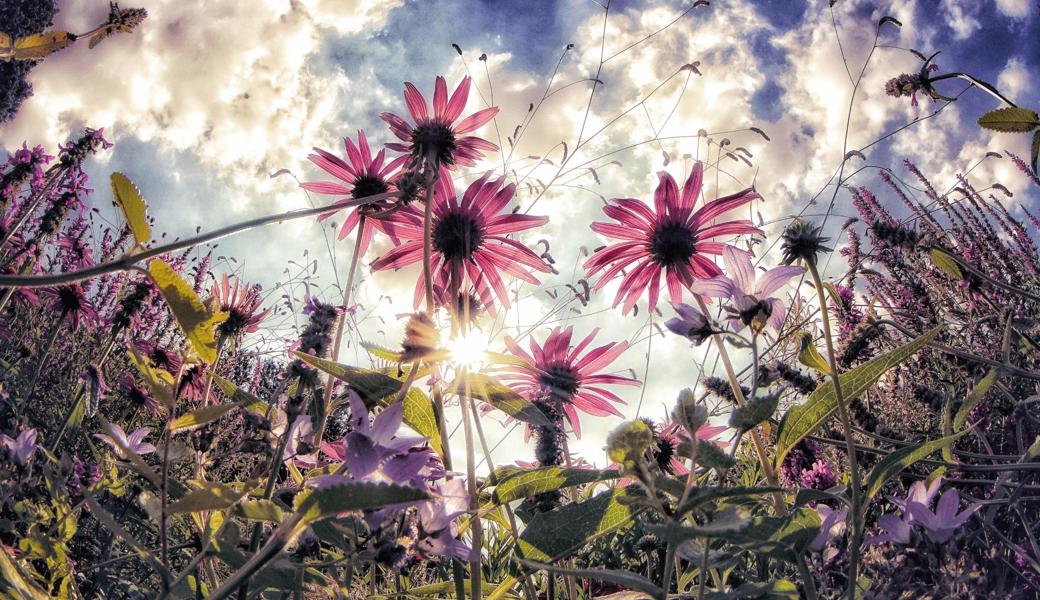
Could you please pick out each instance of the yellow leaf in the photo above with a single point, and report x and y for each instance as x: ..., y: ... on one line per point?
x: 194, y: 318
x: 945, y: 263
x: 37, y: 46
x: 158, y: 382
x: 129, y: 199
x: 810, y: 356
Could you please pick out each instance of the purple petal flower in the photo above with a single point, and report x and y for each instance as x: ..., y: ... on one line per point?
x: 944, y: 522
x: 895, y: 531
x: 21, y: 448
x: 121, y: 442
x: 833, y: 526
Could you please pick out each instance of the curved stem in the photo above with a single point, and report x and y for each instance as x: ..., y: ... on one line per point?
x: 846, y: 423
x: 126, y: 262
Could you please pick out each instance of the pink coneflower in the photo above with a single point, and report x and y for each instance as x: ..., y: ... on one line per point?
x: 363, y: 176
x: 670, y: 240
x: 558, y: 372
x: 71, y: 301
x: 468, y: 238
x: 242, y: 305
x: 436, y: 138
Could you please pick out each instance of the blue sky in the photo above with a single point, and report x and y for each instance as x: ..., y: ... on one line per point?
x: 207, y: 100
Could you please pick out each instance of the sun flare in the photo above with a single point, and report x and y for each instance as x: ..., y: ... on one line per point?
x: 469, y: 350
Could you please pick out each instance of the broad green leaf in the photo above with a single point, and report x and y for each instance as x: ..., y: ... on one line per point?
x: 702, y: 495
x: 781, y: 589
x: 259, y: 510
x: 381, y: 352
x: 625, y: 578
x: 977, y: 394
x: 945, y: 263
x: 441, y: 589
x: 1010, y: 120
x: 194, y: 318
x: 780, y: 537
x: 707, y: 454
x: 333, y: 499
x: 555, y: 534
x: 809, y: 356
x: 420, y: 415
x: 807, y: 495
x: 892, y: 464
x: 201, y: 416
x: 210, y: 495
x: 488, y: 389
x: 726, y: 521
x: 803, y: 419
x: 756, y: 410
x: 371, y: 385
x: 135, y: 210
x: 515, y: 484
x: 33, y: 47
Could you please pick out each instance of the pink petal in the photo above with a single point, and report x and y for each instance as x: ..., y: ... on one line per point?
x: 692, y: 188
x: 723, y: 205
x: 458, y: 101
x: 440, y: 98
x: 666, y: 196
x: 416, y: 103
x: 476, y: 120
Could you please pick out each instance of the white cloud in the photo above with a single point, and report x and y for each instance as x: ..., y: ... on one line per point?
x: 1015, y: 8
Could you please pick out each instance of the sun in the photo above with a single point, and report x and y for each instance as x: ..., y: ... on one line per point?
x: 468, y: 350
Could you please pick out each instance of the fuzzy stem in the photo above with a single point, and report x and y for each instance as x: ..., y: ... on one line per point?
x: 846, y: 423
x: 756, y: 434
x: 428, y: 242
x: 471, y: 482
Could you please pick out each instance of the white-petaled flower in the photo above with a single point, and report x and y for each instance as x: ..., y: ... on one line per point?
x: 120, y: 441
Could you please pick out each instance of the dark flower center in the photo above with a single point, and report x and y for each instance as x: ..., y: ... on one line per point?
x: 69, y: 299
x: 672, y: 244
x: 757, y: 310
x: 367, y: 185
x: 236, y: 322
x: 456, y: 236
x: 435, y: 141
x: 560, y: 381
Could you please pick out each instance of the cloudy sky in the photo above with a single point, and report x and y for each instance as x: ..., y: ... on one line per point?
x: 208, y: 100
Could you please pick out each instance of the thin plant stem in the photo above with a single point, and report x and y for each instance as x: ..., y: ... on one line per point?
x: 846, y: 423
x: 756, y: 434
x: 126, y: 262
x: 428, y: 242
x: 41, y: 362
x: 341, y: 323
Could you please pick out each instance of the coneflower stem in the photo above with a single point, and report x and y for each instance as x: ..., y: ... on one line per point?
x: 846, y: 423
x: 42, y: 359
x: 341, y: 324
x: 428, y: 243
x: 756, y: 433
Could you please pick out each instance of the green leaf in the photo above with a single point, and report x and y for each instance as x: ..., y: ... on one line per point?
x: 201, y: 416
x: 756, y: 410
x: 515, y: 484
x: 16, y: 585
x: 803, y: 419
x: 977, y: 394
x: 333, y: 499
x: 1010, y: 120
x: 629, y: 580
x: 783, y: 537
x: 894, y: 463
x: 210, y: 495
x: 259, y: 510
x: 702, y: 495
x: 194, y: 318
x: 382, y: 353
x: 158, y: 382
x: 135, y: 210
x: 781, y: 589
x: 420, y: 415
x: 371, y: 385
x: 945, y: 263
x: 488, y: 389
x: 555, y: 534
x: 726, y: 521
x: 809, y: 356
x: 39, y: 45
